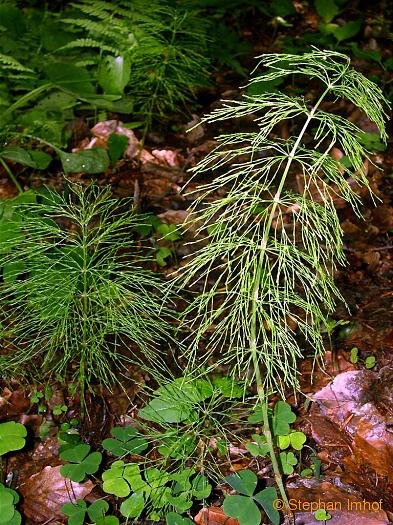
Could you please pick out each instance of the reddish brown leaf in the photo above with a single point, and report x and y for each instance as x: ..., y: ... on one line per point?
x: 44, y: 494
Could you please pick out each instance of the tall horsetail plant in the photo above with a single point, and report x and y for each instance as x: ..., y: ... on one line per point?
x: 265, y: 270
x: 74, y: 296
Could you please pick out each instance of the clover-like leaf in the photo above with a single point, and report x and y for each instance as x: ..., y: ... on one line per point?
x: 12, y: 436
x: 288, y: 460
x: 173, y: 518
x: 242, y: 508
x: 259, y: 447
x: 283, y: 442
x: 201, y: 487
x: 121, y: 478
x: 7, y: 508
x: 266, y: 499
x: 82, y: 462
x: 244, y: 481
x: 133, y: 506
x: 257, y: 416
x: 126, y: 440
x: 76, y: 512
x: 108, y: 520
x: 97, y: 510
x: 297, y: 440
x: 322, y: 515
x: 182, y: 502
x: 282, y: 418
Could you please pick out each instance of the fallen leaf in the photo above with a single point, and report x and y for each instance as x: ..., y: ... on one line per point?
x: 214, y: 516
x: 348, y: 503
x: 44, y: 494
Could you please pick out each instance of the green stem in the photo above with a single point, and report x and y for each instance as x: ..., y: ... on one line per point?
x: 149, y: 116
x: 11, y: 175
x: 262, y: 395
x: 85, y: 311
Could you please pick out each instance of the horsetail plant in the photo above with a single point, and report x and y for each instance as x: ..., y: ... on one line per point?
x: 265, y: 271
x: 75, y: 297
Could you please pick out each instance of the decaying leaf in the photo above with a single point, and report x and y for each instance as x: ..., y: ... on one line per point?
x: 214, y: 516
x: 44, y: 494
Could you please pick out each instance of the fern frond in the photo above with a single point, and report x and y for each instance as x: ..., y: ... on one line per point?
x: 10, y: 63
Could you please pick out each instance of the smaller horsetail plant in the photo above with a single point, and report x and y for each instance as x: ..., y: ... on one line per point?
x: 263, y: 278
x: 74, y: 297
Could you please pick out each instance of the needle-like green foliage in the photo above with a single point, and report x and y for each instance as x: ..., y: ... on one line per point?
x: 163, y: 47
x: 75, y: 296
x: 265, y: 271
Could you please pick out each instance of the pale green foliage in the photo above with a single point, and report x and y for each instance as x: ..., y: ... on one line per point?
x: 163, y: 45
x: 270, y: 253
x: 74, y: 292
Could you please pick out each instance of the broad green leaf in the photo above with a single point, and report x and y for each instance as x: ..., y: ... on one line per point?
x: 12, y: 436
x: 133, y: 506
x: 90, y: 161
x: 12, y: 19
x: 177, y: 447
x: 114, y: 74
x: 12, y: 270
x: 70, y: 77
x: 347, y: 30
x: 244, y: 481
x: 15, y: 520
x: 266, y: 499
x: 19, y: 155
x: 326, y: 9
x: 228, y: 387
x: 74, y: 472
x: 117, y: 144
x: 40, y: 159
x: 371, y: 141
x: 192, y: 391
x: 164, y: 410
x: 117, y: 486
x: 243, y: 509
